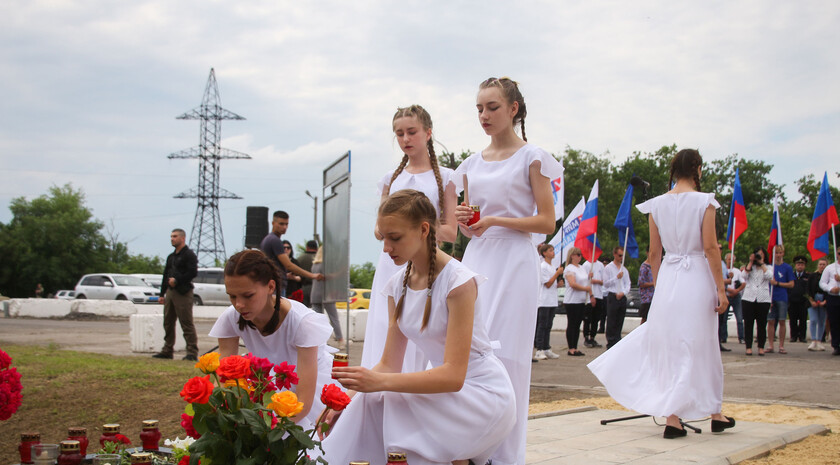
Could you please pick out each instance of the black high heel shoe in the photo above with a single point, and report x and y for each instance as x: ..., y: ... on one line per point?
x: 673, y: 432
x: 719, y: 426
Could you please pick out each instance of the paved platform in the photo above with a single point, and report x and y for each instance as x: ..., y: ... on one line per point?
x: 577, y: 437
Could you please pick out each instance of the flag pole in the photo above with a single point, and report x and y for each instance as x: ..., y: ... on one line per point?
x: 624, y: 256
x: 732, y: 248
x: 594, y: 241
x: 834, y: 240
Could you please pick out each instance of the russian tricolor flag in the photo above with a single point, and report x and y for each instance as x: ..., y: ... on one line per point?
x: 737, y: 213
x: 586, y: 236
x: 825, y: 217
x: 775, y: 231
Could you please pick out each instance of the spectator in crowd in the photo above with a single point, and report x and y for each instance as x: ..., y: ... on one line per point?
x: 781, y: 281
x: 616, y: 287
x: 176, y: 293
x: 798, y: 300
x: 39, y: 291
x: 547, y: 303
x: 755, y: 302
x: 830, y: 285
x: 816, y: 313
x: 599, y: 281
x: 305, y: 262
x: 646, y: 288
x: 317, y: 298
x: 594, y: 312
x: 574, y: 301
x: 273, y: 247
x: 733, y: 292
x: 294, y: 282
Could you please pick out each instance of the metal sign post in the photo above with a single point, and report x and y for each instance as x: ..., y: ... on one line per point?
x: 336, y: 230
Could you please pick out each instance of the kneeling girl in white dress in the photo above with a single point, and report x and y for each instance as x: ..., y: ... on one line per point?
x: 455, y: 412
x: 275, y: 328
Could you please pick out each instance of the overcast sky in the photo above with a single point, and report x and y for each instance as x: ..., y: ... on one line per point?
x: 90, y: 91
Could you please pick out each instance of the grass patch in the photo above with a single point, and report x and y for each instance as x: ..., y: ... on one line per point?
x: 64, y: 388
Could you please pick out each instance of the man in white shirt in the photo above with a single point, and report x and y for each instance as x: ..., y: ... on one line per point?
x: 595, y: 308
x: 615, y: 288
x: 830, y: 284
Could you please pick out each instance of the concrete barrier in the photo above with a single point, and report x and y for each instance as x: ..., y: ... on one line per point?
x: 358, y: 322
x: 109, y: 308
x: 39, y: 308
x: 146, y: 333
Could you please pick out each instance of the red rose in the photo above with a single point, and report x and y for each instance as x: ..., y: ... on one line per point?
x: 234, y: 367
x: 186, y: 423
x: 5, y: 360
x: 185, y: 460
x: 10, y: 392
x: 333, y: 397
x: 123, y: 439
x: 286, y: 375
x: 197, y: 390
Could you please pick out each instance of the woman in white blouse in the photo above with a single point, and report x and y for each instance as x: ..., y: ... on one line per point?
x: 755, y: 301
x: 577, y: 290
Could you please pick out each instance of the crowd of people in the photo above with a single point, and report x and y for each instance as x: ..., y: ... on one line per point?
x: 445, y: 371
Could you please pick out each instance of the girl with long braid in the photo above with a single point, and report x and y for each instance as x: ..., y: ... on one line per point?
x: 509, y: 180
x: 417, y: 170
x: 275, y: 328
x: 458, y: 410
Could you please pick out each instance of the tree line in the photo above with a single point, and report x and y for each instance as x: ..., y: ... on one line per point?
x: 54, y: 239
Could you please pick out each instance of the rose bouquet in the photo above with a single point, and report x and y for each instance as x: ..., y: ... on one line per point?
x: 243, y: 414
x: 10, y: 387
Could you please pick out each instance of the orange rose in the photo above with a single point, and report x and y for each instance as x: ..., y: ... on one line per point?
x: 285, y: 404
x: 197, y: 390
x: 241, y: 382
x: 208, y: 363
x: 234, y: 367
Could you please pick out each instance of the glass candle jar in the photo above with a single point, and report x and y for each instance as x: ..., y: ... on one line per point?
x: 141, y: 458
x: 70, y: 453
x: 359, y: 462
x: 77, y: 433
x: 340, y: 360
x: 109, y: 433
x: 397, y: 458
x: 44, y: 454
x: 27, y: 440
x: 150, y: 435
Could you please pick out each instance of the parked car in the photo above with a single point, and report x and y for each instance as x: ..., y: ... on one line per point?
x: 209, y: 287
x: 153, y: 280
x: 111, y: 286
x: 359, y: 298
x: 65, y: 295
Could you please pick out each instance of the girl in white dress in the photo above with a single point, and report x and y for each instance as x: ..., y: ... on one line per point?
x: 509, y: 180
x: 275, y: 328
x: 418, y: 170
x: 458, y: 410
x: 670, y: 366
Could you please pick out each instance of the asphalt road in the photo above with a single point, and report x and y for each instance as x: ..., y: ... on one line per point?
x: 798, y: 378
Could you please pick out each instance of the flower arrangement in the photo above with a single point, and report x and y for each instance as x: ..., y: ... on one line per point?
x: 240, y: 412
x: 10, y: 387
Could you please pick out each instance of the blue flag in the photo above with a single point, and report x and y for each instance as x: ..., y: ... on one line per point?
x: 623, y: 221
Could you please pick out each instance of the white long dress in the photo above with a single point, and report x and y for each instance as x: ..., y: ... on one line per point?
x: 430, y: 428
x: 671, y: 364
x: 376, y: 329
x: 511, y: 263
x: 302, y: 327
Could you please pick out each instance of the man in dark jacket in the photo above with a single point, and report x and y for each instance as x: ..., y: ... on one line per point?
x: 176, y: 293
x: 305, y: 261
x: 798, y: 298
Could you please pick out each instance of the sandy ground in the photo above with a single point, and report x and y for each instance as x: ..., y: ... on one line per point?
x: 815, y: 450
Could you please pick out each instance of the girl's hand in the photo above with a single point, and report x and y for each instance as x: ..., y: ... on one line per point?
x: 358, y: 379
x: 723, y: 302
x: 329, y: 419
x: 463, y: 213
x: 481, y: 225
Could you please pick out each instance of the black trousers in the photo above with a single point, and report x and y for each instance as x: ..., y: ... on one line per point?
x: 832, y: 310
x: 755, y: 313
x: 798, y: 316
x: 574, y: 316
x: 542, y: 335
x: 616, y: 310
x: 591, y: 318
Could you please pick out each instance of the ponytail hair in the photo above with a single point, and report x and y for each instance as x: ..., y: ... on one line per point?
x: 259, y: 268
x: 425, y: 120
x: 510, y: 91
x: 414, y: 207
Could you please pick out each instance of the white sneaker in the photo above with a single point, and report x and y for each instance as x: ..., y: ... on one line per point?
x: 813, y: 346
x: 820, y: 347
x: 548, y: 353
x: 540, y: 355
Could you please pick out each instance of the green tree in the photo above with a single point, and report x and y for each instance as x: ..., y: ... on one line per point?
x: 361, y: 276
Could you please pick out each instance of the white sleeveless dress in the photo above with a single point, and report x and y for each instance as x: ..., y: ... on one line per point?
x: 376, y: 329
x: 511, y: 263
x: 430, y: 428
x: 671, y: 364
